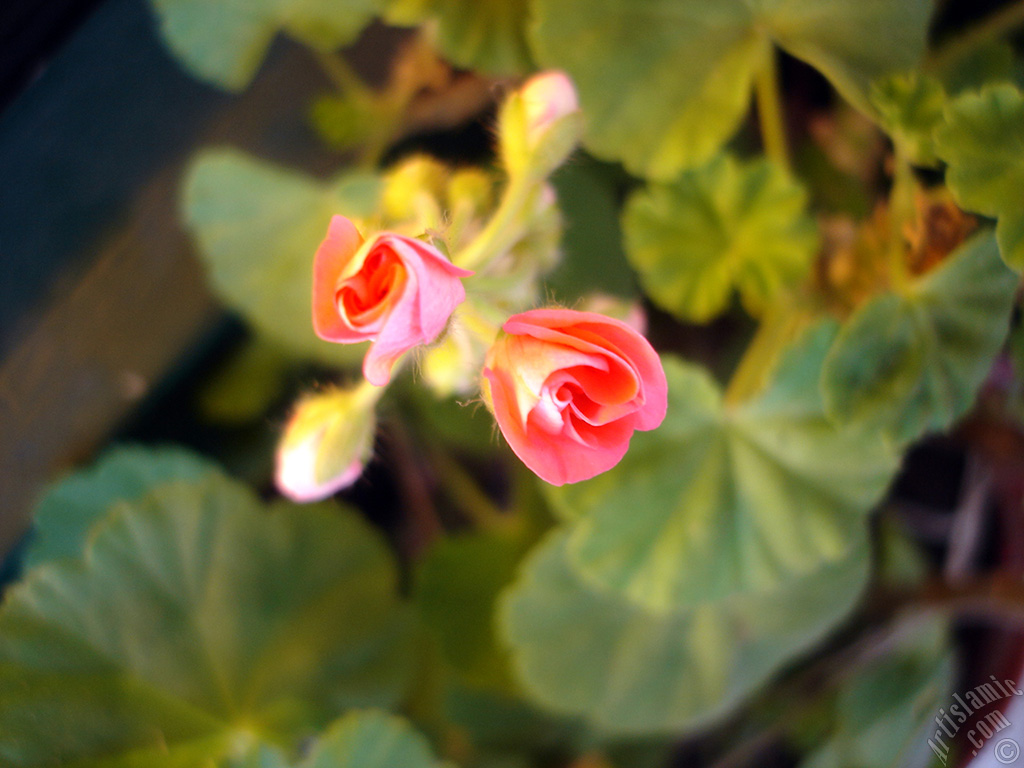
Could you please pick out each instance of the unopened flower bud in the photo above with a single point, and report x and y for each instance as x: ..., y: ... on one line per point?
x: 547, y: 98
x: 327, y: 442
x: 540, y: 125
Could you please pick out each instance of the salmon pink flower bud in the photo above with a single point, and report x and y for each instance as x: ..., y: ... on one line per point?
x: 547, y: 97
x: 326, y: 443
x: 394, y: 291
x: 568, y: 389
x: 540, y: 125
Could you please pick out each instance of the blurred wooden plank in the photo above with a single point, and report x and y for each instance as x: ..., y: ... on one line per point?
x: 102, y: 296
x: 96, y: 351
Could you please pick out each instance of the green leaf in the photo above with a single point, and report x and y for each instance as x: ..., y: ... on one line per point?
x: 247, y: 384
x: 887, y: 709
x: 592, y: 256
x: 911, y: 364
x: 725, y: 499
x: 224, y: 43
x: 910, y: 107
x: 360, y: 739
x: 257, y: 227
x: 487, y: 35
x: 456, y: 589
x: 665, y: 83
x: 726, y: 227
x: 990, y: 63
x: 371, y: 739
x: 197, y: 626
x: 501, y: 721
x: 982, y: 142
x: 68, y: 510
x: 584, y: 651
x: 344, y: 121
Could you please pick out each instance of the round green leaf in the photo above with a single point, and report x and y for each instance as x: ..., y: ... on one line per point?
x: 456, y: 588
x: 488, y: 35
x: 721, y: 500
x: 910, y: 364
x: 664, y: 83
x: 584, y: 651
x: 982, y: 142
x: 592, y: 257
x: 887, y: 709
x: 198, y: 625
x: 360, y: 739
x: 224, y: 43
x: 258, y: 227
x: 722, y: 228
x: 69, y: 508
x: 371, y: 739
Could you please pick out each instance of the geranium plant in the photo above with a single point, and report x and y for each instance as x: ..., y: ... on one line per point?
x: 644, y: 381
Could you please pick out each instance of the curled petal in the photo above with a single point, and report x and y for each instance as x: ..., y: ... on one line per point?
x: 569, y: 388
x: 392, y: 290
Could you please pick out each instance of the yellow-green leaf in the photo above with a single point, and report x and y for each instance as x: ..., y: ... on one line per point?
x: 197, y: 625
x: 912, y: 363
x: 724, y: 228
x: 581, y: 650
x: 70, y: 507
x: 723, y: 499
x: 224, y: 41
x: 488, y: 35
x: 665, y: 83
x: 982, y: 142
x: 910, y: 108
x: 257, y: 227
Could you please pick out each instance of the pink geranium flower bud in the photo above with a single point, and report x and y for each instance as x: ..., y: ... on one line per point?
x: 326, y: 443
x: 394, y: 291
x: 569, y: 388
x: 547, y: 97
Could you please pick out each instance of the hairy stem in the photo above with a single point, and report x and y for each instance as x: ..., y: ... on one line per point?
x: 505, y: 226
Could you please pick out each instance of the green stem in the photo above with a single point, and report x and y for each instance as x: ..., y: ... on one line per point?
x: 901, y: 211
x: 769, y: 109
x: 504, y: 228
x: 997, y: 25
x: 466, y: 493
x: 778, y: 327
x: 341, y: 74
x: 388, y: 109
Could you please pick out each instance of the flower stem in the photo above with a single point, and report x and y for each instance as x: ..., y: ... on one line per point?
x: 995, y: 26
x: 769, y: 109
x: 340, y: 73
x: 386, y: 107
x: 901, y: 211
x: 460, y: 486
x: 780, y: 324
x: 505, y: 226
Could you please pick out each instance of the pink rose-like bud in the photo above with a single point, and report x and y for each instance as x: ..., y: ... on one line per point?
x: 394, y: 291
x: 569, y: 388
x: 547, y: 97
